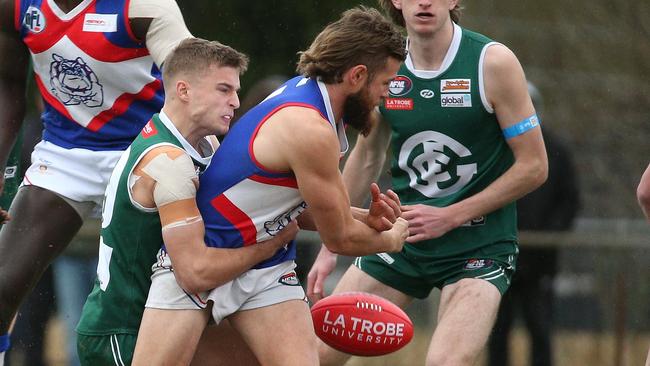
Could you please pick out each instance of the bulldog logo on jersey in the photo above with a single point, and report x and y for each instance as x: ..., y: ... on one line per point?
x: 73, y: 82
x: 400, y: 85
x: 34, y: 20
x: 426, y: 157
x: 280, y: 222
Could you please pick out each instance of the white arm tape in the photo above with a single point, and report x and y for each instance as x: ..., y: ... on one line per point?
x: 167, y: 27
x: 174, y: 178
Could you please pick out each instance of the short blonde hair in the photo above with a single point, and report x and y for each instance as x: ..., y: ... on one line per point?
x: 194, y: 55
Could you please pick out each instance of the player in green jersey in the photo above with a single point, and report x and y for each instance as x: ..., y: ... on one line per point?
x: 465, y: 145
x: 152, y: 191
x: 12, y: 178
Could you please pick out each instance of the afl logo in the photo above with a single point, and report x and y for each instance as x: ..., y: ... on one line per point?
x: 426, y: 93
x: 34, y: 20
x: 400, y: 85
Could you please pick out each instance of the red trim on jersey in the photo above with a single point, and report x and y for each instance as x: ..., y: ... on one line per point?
x: 290, y: 182
x: 94, y: 44
x: 269, y: 115
x: 51, y: 99
x: 17, y: 21
x: 127, y: 24
x: 237, y: 218
x: 122, y: 103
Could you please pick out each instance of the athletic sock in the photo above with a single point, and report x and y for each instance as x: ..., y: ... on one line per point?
x: 4, y: 346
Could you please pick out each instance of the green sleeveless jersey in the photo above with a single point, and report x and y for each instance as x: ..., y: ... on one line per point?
x: 130, y: 239
x: 446, y: 146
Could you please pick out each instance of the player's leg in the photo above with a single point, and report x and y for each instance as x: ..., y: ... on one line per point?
x: 169, y: 337
x: 222, y: 345
x: 466, y: 315
x: 281, y: 334
x: 469, y: 301
x: 42, y: 225
x: 355, y: 279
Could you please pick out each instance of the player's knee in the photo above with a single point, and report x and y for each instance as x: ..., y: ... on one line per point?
x: 449, y: 358
x: 328, y: 356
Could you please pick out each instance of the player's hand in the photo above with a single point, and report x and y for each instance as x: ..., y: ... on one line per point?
x: 323, y: 266
x: 283, y: 237
x: 427, y: 222
x: 384, y: 209
x: 397, y: 235
x: 4, y: 216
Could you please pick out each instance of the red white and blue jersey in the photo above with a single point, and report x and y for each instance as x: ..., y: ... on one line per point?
x: 98, y: 82
x: 241, y: 201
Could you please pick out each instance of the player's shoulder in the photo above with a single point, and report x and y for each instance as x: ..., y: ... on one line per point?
x: 170, y: 151
x: 499, y: 57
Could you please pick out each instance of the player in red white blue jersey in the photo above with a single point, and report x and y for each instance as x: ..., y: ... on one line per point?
x: 96, y: 64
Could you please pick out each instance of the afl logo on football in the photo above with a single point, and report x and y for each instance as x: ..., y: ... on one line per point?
x: 400, y: 85
x: 34, y: 20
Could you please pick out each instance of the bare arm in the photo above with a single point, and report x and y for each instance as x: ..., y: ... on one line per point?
x: 506, y: 89
x: 643, y: 193
x: 196, y: 266
x: 307, y: 145
x: 160, y: 23
x: 366, y: 160
x: 13, y: 74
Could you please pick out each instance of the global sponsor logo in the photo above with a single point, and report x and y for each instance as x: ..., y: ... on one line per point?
x: 455, y: 85
x: 427, y: 93
x: 399, y: 104
x: 289, y: 279
x: 474, y: 263
x: 363, y: 330
x: 456, y: 100
x: 34, y: 20
x: 400, y: 85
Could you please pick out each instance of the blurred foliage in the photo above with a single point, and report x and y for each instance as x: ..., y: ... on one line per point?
x: 269, y: 32
x: 590, y: 59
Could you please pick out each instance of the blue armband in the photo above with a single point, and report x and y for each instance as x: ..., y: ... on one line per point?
x: 4, y: 342
x: 521, y: 127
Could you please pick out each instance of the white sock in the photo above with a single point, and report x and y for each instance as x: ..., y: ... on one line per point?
x: 2, y: 358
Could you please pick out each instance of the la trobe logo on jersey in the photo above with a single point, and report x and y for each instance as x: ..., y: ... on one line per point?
x: 34, y: 20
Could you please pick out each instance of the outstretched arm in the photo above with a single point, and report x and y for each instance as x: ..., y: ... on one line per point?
x: 13, y: 73
x: 307, y: 145
x: 506, y: 89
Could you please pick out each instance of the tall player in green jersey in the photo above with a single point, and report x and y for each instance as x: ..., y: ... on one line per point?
x: 151, y: 194
x: 465, y: 144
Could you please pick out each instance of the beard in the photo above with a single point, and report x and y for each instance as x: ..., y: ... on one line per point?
x: 356, y: 111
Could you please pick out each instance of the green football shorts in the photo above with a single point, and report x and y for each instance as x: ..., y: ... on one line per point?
x: 416, y: 277
x: 108, y: 350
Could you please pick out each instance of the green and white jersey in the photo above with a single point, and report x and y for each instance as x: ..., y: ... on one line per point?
x: 447, y: 144
x: 130, y: 238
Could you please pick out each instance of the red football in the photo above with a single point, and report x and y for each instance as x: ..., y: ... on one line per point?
x: 361, y: 324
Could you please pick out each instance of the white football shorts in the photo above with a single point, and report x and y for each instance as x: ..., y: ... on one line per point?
x: 77, y: 175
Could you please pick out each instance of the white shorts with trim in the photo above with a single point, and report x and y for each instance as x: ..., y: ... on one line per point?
x: 77, y: 174
x: 253, y: 289
x: 165, y: 293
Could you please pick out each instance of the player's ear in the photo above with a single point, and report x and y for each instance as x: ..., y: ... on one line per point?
x: 357, y: 75
x: 397, y: 4
x: 182, y: 90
